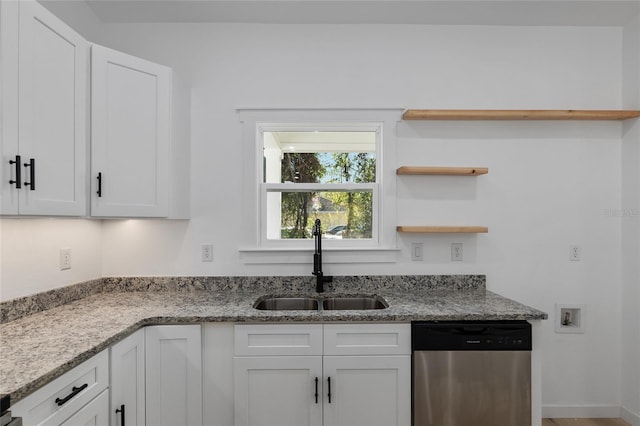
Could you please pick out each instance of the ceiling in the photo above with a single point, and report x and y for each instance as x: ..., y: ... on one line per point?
x: 430, y: 12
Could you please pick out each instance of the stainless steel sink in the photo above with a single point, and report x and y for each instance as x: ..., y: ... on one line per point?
x: 354, y: 303
x: 287, y: 303
x: 332, y: 303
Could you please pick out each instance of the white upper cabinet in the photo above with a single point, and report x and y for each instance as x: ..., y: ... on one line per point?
x: 130, y: 135
x: 139, y: 125
x: 44, y: 113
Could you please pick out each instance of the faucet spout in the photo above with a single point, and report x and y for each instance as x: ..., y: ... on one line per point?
x: 317, y: 258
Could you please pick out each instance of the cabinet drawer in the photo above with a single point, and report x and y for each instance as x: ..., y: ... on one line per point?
x: 367, y: 339
x: 278, y: 339
x: 94, y: 413
x: 88, y: 379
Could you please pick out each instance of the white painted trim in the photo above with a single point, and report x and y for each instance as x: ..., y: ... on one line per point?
x: 580, y: 411
x: 630, y: 417
x: 536, y: 372
x: 308, y: 187
x: 252, y: 121
x: 289, y: 255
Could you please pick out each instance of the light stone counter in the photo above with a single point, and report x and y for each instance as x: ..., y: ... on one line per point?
x: 40, y: 346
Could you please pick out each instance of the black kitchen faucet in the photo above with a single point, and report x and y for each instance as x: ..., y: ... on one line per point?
x: 317, y: 259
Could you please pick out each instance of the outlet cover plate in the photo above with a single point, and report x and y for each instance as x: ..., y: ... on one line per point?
x: 65, y: 259
x: 456, y: 252
x: 207, y: 252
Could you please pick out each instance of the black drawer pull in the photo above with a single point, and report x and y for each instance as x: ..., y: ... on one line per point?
x: 74, y: 392
x: 316, y: 394
x: 32, y: 174
x: 329, y: 385
x: 18, y: 180
x: 121, y: 411
x: 99, y: 191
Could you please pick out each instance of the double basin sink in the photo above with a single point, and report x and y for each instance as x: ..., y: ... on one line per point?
x: 326, y: 303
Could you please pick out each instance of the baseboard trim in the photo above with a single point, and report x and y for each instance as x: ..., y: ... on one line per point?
x: 630, y: 417
x: 581, y: 411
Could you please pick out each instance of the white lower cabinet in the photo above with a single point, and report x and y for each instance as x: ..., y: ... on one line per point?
x: 278, y: 390
x: 173, y: 375
x: 258, y: 375
x: 75, y: 398
x: 368, y: 390
x: 296, y: 378
x: 128, y: 381
x: 95, y: 413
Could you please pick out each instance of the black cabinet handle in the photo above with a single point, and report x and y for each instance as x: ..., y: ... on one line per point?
x: 74, y: 392
x: 121, y: 411
x: 99, y: 191
x: 329, y: 384
x: 316, y: 394
x: 18, y: 180
x: 32, y: 174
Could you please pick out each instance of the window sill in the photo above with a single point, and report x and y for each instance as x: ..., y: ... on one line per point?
x: 329, y: 255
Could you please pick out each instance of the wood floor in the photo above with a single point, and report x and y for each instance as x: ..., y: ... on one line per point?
x: 584, y: 422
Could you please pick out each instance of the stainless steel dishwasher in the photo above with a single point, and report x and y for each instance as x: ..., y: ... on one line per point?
x: 471, y: 373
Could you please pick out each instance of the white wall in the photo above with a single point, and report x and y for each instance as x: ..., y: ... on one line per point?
x: 30, y: 254
x: 631, y: 230
x: 549, y: 184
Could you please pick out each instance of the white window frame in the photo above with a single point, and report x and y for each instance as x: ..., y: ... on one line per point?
x: 256, y: 248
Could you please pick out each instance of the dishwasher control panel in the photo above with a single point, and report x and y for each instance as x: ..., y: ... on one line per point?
x: 471, y: 336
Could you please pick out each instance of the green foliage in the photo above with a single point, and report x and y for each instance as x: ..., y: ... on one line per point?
x: 337, y: 168
x: 299, y: 168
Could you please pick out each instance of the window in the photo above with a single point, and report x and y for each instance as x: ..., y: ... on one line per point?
x: 324, y: 173
x: 304, y: 165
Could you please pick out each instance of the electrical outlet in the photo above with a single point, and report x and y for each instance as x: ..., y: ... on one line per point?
x: 575, y: 252
x: 456, y: 252
x: 417, y: 252
x: 65, y: 259
x: 207, y: 252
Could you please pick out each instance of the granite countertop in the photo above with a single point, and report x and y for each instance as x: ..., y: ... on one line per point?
x: 39, y: 347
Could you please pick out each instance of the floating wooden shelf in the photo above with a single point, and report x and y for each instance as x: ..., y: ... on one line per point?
x: 450, y: 171
x: 517, y: 114
x: 443, y: 229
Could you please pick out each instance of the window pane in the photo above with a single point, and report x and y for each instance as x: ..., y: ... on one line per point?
x: 344, y: 215
x: 319, y: 157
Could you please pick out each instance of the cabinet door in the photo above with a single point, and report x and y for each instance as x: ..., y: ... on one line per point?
x: 130, y: 135
x: 52, y: 114
x: 95, y: 413
x: 128, y: 381
x: 9, y: 30
x: 278, y: 391
x: 44, y: 112
x: 368, y: 390
x: 174, y: 375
